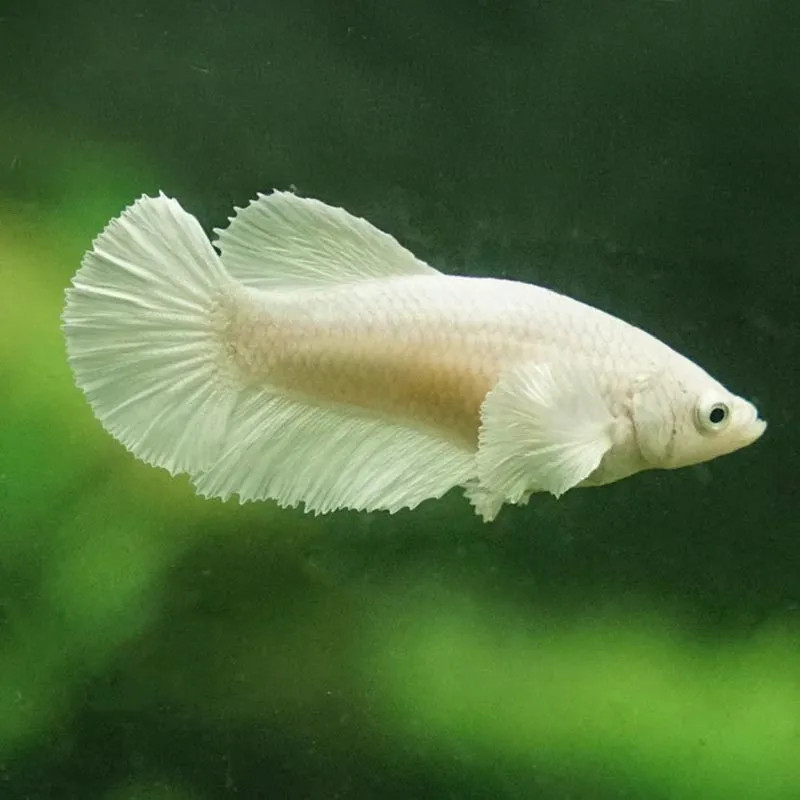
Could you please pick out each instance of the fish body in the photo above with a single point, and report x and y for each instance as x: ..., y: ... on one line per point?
x: 428, y: 349
x: 317, y: 361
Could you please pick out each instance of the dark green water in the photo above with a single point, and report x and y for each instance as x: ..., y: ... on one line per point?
x: 636, y: 641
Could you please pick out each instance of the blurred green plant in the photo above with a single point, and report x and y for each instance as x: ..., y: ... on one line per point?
x: 624, y: 696
x: 150, y: 790
x: 80, y: 553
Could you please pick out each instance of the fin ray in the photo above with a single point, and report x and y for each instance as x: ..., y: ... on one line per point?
x: 142, y: 339
x: 281, y: 241
x: 330, y: 457
x: 543, y: 428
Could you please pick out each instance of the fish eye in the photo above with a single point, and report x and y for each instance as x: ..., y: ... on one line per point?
x: 717, y: 414
x: 712, y: 415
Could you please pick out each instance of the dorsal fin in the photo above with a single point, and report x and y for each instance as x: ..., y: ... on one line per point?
x: 281, y: 241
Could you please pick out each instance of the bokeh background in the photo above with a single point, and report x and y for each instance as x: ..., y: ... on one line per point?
x: 636, y: 641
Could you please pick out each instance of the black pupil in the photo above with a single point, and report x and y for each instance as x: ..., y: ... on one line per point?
x: 717, y: 415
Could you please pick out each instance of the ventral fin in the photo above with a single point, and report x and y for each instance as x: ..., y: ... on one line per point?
x: 543, y: 428
x: 281, y: 241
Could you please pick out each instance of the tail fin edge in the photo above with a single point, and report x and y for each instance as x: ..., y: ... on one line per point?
x: 144, y: 326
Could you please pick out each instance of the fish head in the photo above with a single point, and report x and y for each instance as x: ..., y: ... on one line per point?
x: 685, y: 417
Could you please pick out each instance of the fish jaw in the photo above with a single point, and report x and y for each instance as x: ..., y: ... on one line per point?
x: 748, y: 425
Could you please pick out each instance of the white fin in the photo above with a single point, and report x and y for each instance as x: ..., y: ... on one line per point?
x: 330, y: 457
x: 142, y: 330
x: 281, y: 241
x: 543, y: 428
x: 487, y: 504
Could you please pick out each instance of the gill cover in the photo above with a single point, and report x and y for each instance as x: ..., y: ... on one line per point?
x: 653, y: 419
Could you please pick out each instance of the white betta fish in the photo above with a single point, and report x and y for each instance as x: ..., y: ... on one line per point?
x: 317, y: 361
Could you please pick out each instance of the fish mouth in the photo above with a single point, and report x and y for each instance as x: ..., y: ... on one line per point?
x: 757, y: 428
x: 750, y: 426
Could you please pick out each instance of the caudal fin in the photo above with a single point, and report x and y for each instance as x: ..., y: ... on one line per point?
x: 144, y: 324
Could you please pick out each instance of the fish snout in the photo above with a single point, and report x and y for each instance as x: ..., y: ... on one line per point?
x: 746, y: 422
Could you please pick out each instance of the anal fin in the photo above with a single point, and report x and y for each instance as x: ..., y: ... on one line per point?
x: 330, y: 457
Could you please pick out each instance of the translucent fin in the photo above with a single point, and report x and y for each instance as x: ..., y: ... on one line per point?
x: 487, y: 504
x: 329, y: 458
x: 543, y: 428
x: 142, y: 326
x: 281, y: 241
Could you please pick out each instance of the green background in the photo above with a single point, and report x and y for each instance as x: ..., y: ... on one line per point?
x: 636, y: 641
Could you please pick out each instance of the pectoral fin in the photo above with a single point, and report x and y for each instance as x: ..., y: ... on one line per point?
x: 543, y: 428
